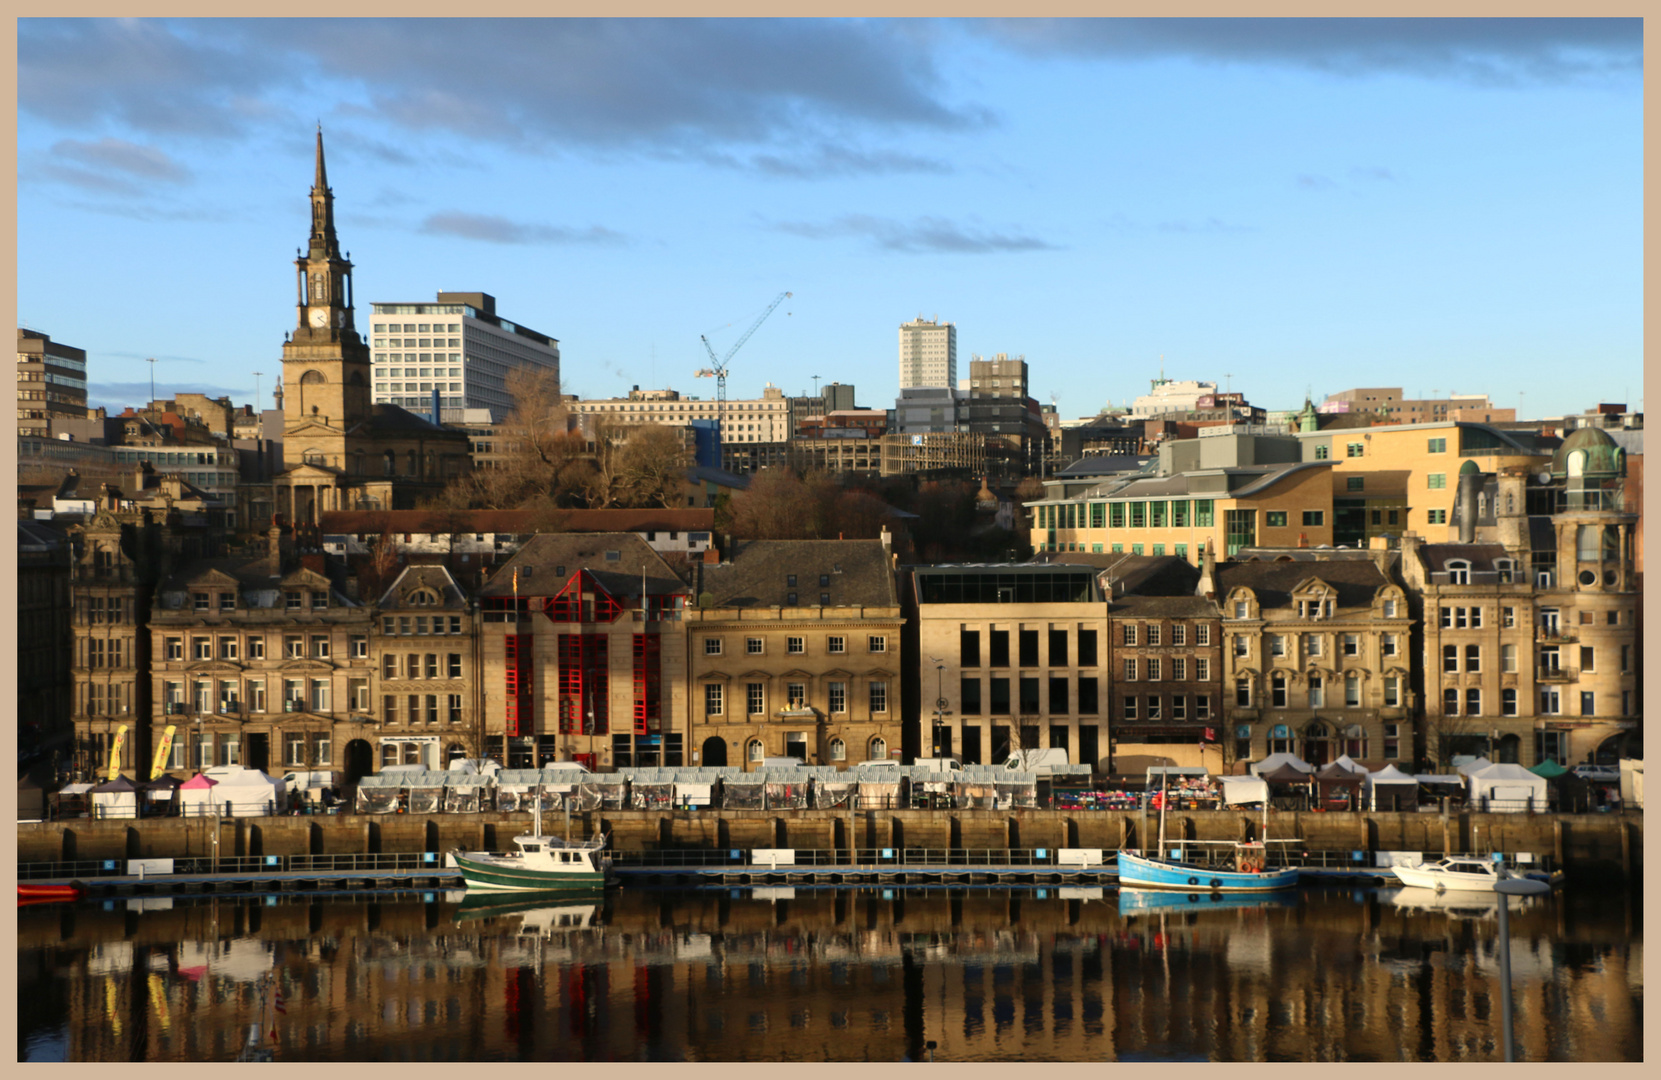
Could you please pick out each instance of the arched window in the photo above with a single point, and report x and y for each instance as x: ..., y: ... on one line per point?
x: 838, y: 750
x: 313, y: 378
x: 414, y: 462
x: 1459, y: 572
x: 879, y: 749
x: 754, y: 750
x: 389, y: 754
x: 390, y: 461
x: 1355, y: 741
x: 1280, y: 739
x: 1577, y: 462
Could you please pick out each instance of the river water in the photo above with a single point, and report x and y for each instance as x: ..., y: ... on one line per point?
x: 754, y: 974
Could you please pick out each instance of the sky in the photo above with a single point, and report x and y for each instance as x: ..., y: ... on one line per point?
x: 1283, y: 207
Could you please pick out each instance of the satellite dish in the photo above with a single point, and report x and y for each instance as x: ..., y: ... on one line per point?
x: 1544, y: 476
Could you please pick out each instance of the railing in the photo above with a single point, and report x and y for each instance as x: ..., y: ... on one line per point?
x: 240, y: 864
x: 1545, y: 673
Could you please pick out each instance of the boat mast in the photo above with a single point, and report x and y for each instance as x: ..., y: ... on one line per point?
x: 537, y: 810
x: 1164, y: 800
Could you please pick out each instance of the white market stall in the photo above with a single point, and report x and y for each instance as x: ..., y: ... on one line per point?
x: 116, y: 799
x: 1507, y: 789
x: 1243, y: 790
x: 1389, y: 789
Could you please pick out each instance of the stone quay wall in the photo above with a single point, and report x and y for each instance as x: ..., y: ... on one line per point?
x: 1596, y: 843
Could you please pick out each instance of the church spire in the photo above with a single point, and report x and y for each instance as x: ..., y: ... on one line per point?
x: 323, y: 242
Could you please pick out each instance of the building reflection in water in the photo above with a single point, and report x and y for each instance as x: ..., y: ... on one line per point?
x: 786, y: 975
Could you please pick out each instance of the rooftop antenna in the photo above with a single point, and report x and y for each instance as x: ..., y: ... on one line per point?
x: 152, y: 362
x: 816, y: 386
x: 1228, y: 382
x: 257, y: 375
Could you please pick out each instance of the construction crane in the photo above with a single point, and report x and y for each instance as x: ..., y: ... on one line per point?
x: 718, y: 368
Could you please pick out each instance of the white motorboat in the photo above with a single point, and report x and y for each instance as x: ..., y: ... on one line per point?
x: 1462, y: 873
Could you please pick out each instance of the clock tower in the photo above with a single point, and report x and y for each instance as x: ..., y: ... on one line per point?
x: 325, y: 362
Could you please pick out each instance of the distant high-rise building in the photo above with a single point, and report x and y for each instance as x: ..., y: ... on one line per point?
x: 457, y: 346
x: 51, y: 383
x: 928, y: 354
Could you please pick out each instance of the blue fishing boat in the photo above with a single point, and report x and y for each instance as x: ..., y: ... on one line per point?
x: 1249, y: 874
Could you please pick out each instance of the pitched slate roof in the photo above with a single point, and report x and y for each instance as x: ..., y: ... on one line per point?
x: 1167, y: 607
x: 424, y: 575
x: 859, y: 571
x: 547, y: 561
x: 1354, y: 581
x: 1481, y: 556
x: 516, y: 522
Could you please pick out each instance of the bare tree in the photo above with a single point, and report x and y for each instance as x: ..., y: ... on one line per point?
x: 653, y: 466
x: 776, y: 506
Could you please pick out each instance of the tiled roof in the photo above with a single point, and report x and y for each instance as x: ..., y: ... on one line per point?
x: 1481, y: 556
x: 1169, y: 607
x: 1355, y: 582
x: 516, y: 522
x: 758, y: 576
x: 541, y: 559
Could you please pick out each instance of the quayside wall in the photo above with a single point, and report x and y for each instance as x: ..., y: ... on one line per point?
x: 1586, y: 843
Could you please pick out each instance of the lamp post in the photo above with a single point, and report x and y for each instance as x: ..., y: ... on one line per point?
x: 939, y: 699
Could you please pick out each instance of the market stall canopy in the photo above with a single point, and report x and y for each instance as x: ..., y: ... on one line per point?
x: 1351, y: 764
x: 1276, y: 761
x: 1340, y: 776
x: 199, y: 782
x: 1475, y: 765
x: 1243, y: 789
x: 75, y: 789
x: 1510, y: 788
x: 1549, y: 769
x: 1390, y: 789
x: 1287, y: 773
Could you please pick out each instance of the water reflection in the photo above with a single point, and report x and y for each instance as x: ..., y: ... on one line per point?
x: 803, y: 974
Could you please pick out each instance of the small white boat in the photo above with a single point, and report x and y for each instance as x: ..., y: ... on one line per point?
x: 1461, y: 873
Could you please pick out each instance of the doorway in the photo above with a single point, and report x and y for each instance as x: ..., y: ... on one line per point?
x: 714, y: 752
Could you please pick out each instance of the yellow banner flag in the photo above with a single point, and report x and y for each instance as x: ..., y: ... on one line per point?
x: 115, y: 751
x: 164, y: 748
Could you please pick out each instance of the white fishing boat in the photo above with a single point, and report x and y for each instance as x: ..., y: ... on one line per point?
x: 542, y: 863
x: 1461, y: 873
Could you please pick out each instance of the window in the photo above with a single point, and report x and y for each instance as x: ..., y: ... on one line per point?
x: 1242, y: 645
x: 452, y: 665
x: 1508, y: 617
x: 1275, y: 519
x: 173, y: 648
x: 1437, y: 446
x: 294, y: 646
x: 1586, y: 703
x: 1392, y: 691
x: 1153, y: 633
x: 1626, y: 659
x: 790, y: 580
x: 1355, y: 483
x: 1586, y: 654
x: 1179, y: 634
x: 795, y: 646
x: 357, y: 695
x: 1450, y: 701
x: 1392, y: 740
x: 1436, y: 517
x: 1277, y: 644
x: 1473, y: 658
x: 1508, y: 702
x: 1459, y: 572
x: 200, y: 649
x: 1179, y: 669
x: 712, y: 646
x: 293, y: 600
x: 712, y: 699
x: 1130, y: 634
x: 1153, y: 668
x: 1321, y: 453
x: 879, y: 749
x: 836, y: 644
x: 1242, y: 742
x: 1550, y: 702
x: 319, y: 599
x: 969, y: 648
x: 1153, y: 707
x: 1354, y: 449
x: 1243, y: 693
x: 879, y: 697
x: 227, y: 601
x: 1450, y: 658
x: 1314, y: 518
x: 1312, y: 645
x: 1202, y: 634
x: 200, y: 601
x: 1352, y: 689
x: 1129, y: 708
x: 838, y: 750
x: 1508, y: 658
x: 1277, y: 690
x: 320, y: 647
x: 1436, y: 480
x: 839, y: 697
x: 1316, y: 698
x: 1202, y: 669
x: 1473, y: 701
x: 755, y: 696
x: 227, y: 648
x: 878, y: 643
x: 1387, y: 644
x: 1130, y: 669
x: 320, y: 695
x: 753, y: 646
x: 357, y: 647
x: 756, y: 750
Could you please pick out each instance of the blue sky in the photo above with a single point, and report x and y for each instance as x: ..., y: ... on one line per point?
x: 1284, y: 206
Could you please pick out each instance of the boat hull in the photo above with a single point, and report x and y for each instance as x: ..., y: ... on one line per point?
x: 1136, y: 872
x: 1441, y: 881
x: 37, y: 894
x: 495, y: 872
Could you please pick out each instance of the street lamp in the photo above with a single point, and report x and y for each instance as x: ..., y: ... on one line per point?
x: 1507, y: 888
x: 939, y: 699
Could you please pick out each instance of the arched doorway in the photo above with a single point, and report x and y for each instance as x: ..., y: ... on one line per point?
x: 1317, y: 743
x: 1507, y: 751
x: 1612, y: 749
x: 714, y: 752
x: 360, y: 760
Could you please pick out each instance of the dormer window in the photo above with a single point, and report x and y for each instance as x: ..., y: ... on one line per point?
x: 1459, y: 572
x: 1506, y: 569
x: 200, y: 601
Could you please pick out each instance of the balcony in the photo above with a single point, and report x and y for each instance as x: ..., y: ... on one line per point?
x: 1555, y: 634
x: 1547, y: 674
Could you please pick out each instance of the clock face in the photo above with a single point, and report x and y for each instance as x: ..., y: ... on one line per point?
x: 319, y: 317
